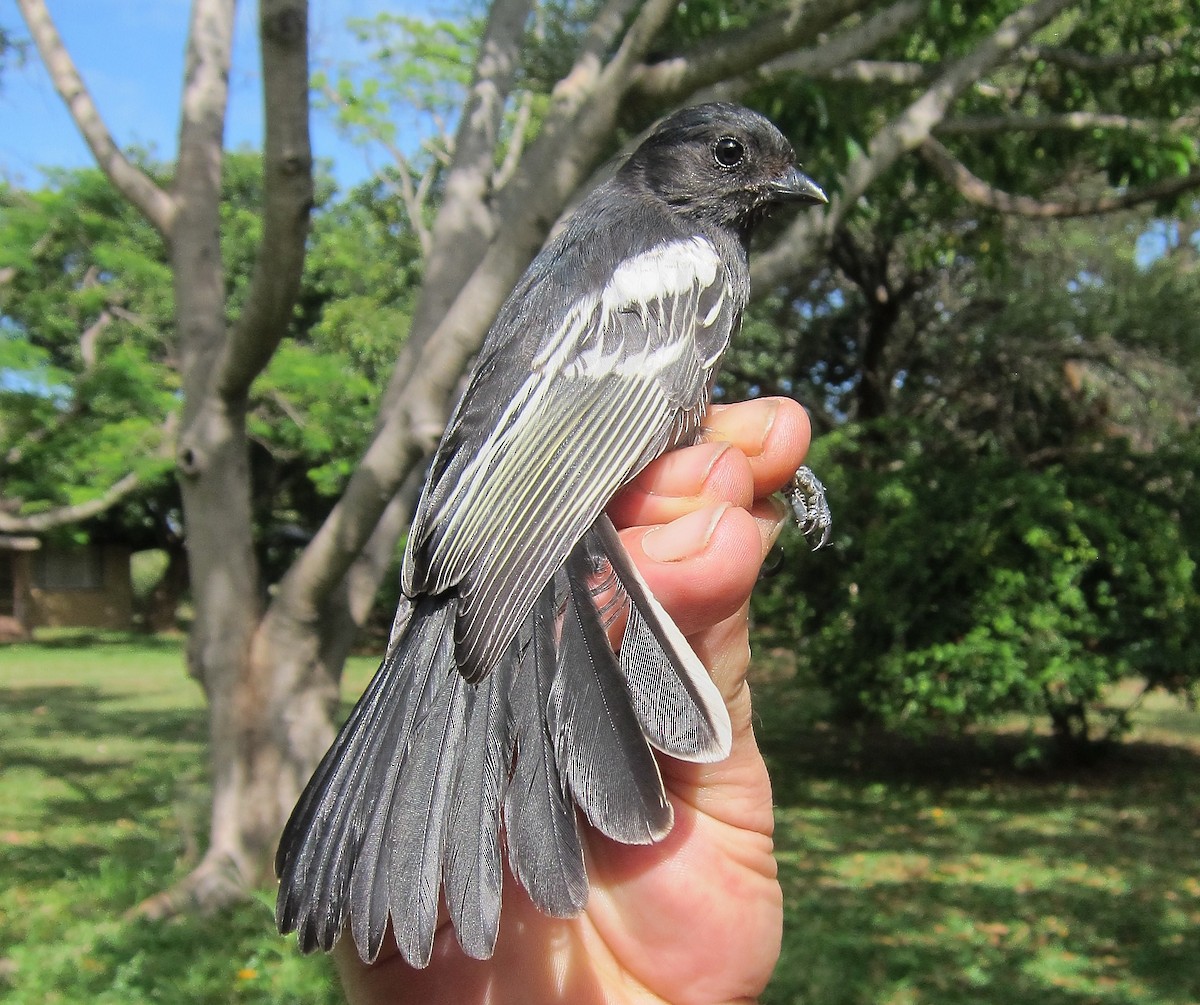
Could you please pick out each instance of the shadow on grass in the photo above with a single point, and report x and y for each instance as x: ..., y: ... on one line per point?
x: 88, y: 638
x: 939, y: 872
x: 88, y: 780
x: 931, y: 873
x: 83, y: 712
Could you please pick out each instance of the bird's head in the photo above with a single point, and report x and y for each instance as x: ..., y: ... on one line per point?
x: 723, y: 165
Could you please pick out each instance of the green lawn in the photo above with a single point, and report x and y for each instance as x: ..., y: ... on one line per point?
x: 934, y: 874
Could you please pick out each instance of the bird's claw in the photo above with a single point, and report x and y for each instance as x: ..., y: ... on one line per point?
x: 810, y: 506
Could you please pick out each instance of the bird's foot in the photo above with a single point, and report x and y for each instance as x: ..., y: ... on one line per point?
x: 810, y: 506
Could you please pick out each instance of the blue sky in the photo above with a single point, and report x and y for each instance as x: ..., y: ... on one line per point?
x: 130, y: 54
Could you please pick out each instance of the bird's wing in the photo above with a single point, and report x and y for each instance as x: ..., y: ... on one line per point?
x: 624, y: 376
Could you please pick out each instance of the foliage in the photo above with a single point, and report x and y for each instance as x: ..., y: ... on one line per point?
x: 910, y: 872
x: 1014, y: 527
x: 88, y: 351
x: 85, y: 344
x: 314, y: 405
x: 964, y: 586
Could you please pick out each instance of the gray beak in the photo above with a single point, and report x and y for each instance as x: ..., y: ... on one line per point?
x: 796, y: 186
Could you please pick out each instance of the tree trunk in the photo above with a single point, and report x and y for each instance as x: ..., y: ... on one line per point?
x: 252, y: 705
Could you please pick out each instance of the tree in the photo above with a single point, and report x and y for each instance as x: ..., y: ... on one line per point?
x: 86, y: 408
x: 1018, y: 534
x: 89, y: 403
x: 862, y: 86
x: 219, y: 361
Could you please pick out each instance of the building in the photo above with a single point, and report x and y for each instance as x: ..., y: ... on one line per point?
x: 47, y: 584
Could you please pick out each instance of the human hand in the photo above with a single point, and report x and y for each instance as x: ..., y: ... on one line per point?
x: 696, y: 918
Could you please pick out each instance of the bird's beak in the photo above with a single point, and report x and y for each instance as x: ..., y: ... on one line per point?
x: 795, y: 186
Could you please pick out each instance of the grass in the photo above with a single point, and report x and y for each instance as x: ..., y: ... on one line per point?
x: 934, y: 873
x: 942, y: 874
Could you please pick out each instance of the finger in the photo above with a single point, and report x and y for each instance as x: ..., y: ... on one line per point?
x: 701, y: 566
x: 772, y: 433
x: 684, y: 480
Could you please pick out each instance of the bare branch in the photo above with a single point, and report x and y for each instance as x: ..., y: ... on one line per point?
x: 844, y: 47
x: 152, y: 202
x: 464, y: 223
x: 740, y: 51
x: 867, y: 71
x: 287, y: 199
x: 904, y: 73
x: 1060, y: 122
x: 1087, y: 62
x: 89, y: 338
x: 905, y: 133
x: 974, y: 189
x: 64, y: 515
x: 602, y: 35
x: 916, y: 122
x: 478, y: 128
x: 61, y: 516
x: 516, y: 144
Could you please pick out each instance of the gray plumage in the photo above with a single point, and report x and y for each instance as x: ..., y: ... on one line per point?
x: 500, y: 707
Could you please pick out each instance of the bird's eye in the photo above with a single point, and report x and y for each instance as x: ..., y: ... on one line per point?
x: 728, y: 152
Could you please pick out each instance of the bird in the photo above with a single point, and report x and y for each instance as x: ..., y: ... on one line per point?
x: 500, y: 713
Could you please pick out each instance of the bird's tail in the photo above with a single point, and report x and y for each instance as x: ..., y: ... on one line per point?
x: 409, y: 799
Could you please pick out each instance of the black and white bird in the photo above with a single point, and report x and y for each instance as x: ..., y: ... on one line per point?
x: 500, y: 708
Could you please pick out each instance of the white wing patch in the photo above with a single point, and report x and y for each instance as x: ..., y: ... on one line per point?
x: 666, y: 270
x: 665, y: 274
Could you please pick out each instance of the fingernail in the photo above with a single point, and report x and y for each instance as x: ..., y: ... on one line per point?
x: 763, y: 415
x: 682, y: 538
x: 754, y: 421
x: 676, y: 480
x: 772, y: 526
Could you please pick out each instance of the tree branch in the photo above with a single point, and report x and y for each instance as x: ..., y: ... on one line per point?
x: 412, y: 196
x: 736, y: 52
x: 287, y: 197
x: 465, y: 224
x: 61, y: 516
x: 974, y: 189
x: 155, y: 204
x: 904, y: 73
x: 516, y: 144
x: 1088, y: 62
x: 844, y: 47
x: 869, y: 71
x: 1062, y: 122
x: 811, y: 230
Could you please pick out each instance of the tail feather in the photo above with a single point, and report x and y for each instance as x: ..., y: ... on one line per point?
x: 471, y: 862
x: 410, y: 796
x: 419, y: 814
x: 322, y: 837
x: 681, y: 711
x: 540, y: 827
x: 599, y: 745
x: 425, y: 658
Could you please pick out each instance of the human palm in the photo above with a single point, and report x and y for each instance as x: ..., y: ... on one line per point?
x: 696, y: 918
